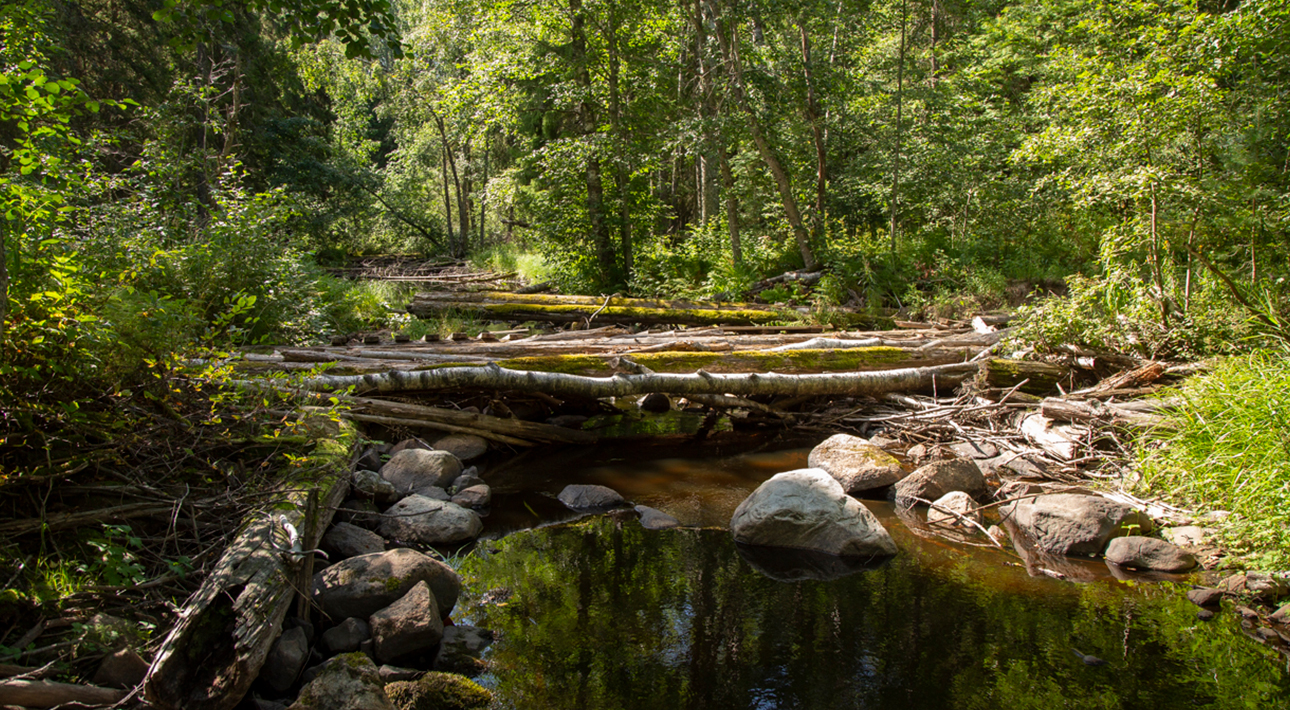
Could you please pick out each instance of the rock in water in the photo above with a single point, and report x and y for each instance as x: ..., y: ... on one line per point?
x: 590, y: 497
x: 807, y: 509
x: 408, y: 625
x: 477, y: 496
x: 655, y: 519
x: 1072, y: 523
x: 346, y: 682
x: 411, y: 469
x: 1148, y: 553
x: 361, y: 585
x: 439, y: 691
x: 857, y: 464
x: 465, y: 447
x: 433, y: 522
x: 943, y: 509
x: 940, y: 477
x: 461, y: 648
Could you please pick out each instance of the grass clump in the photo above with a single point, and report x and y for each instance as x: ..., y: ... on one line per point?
x: 1230, y: 449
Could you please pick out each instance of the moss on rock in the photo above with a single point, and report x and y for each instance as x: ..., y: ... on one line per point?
x: 438, y: 691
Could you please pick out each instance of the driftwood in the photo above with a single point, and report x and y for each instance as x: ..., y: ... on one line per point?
x: 497, y: 378
x: 228, y: 626
x: 1096, y: 411
x: 481, y: 424
x: 48, y: 694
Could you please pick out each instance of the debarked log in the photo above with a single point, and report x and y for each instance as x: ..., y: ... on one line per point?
x: 780, y: 361
x: 701, y: 382
x: 1040, y: 378
x: 226, y: 629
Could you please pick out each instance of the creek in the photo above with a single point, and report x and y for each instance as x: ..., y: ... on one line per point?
x: 598, y: 612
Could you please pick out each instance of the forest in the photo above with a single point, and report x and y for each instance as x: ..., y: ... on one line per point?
x: 185, y: 179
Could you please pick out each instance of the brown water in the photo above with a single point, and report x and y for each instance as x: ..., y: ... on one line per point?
x: 600, y: 613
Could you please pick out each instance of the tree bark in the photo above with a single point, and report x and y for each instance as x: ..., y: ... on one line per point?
x: 817, y: 134
x: 730, y: 53
x: 900, y: 97
x: 493, y: 377
x: 586, y: 119
x: 48, y: 694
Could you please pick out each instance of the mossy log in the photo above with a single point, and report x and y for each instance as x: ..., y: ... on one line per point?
x: 783, y: 362
x: 571, y: 309
x: 227, y: 628
x: 1041, y: 378
x: 554, y: 383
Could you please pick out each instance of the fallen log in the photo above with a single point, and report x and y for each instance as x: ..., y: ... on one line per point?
x: 477, y: 423
x: 570, y: 309
x: 1097, y: 411
x: 497, y: 378
x: 226, y: 629
x: 780, y: 361
x: 48, y: 694
x: 1040, y: 378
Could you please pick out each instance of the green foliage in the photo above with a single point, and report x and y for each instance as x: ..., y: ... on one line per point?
x: 1229, y: 448
x: 115, y: 562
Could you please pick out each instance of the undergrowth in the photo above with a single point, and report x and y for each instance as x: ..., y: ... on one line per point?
x: 1230, y: 450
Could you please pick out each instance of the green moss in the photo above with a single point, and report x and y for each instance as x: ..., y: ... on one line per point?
x: 847, y: 360
x: 438, y: 691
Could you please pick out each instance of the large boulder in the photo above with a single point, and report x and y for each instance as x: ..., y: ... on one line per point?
x: 857, y: 464
x: 465, y: 447
x: 361, y: 585
x: 590, y: 497
x: 937, y: 478
x: 349, y: 540
x: 807, y: 509
x: 1072, y: 523
x: 432, y: 522
x: 411, y: 469
x: 346, y: 682
x: 370, y: 485
x: 1148, y: 553
x: 409, y: 625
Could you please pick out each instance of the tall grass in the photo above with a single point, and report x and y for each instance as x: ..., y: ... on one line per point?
x: 1231, y: 450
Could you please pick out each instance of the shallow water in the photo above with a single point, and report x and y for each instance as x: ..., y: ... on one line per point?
x: 600, y: 613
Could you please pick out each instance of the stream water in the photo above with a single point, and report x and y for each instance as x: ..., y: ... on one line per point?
x: 600, y: 613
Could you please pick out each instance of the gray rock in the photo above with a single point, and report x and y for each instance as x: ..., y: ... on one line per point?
x: 937, y: 478
x: 590, y: 497
x: 1281, y: 616
x: 286, y: 659
x: 1073, y: 524
x: 466, y: 480
x: 346, y: 682
x: 883, y: 442
x: 370, y: 460
x: 390, y: 674
x: 348, y: 540
x: 465, y: 447
x: 262, y: 704
x: 1259, y: 585
x: 807, y: 509
x: 433, y: 522
x: 123, y: 669
x: 461, y: 648
x: 411, y: 469
x: 1148, y: 553
x: 360, y: 512
x: 568, y: 421
x: 361, y: 585
x: 370, y: 485
x: 1205, y: 597
x: 1184, y: 535
x: 413, y: 443
x: 408, y: 625
x: 857, y: 464
x: 975, y: 450
x: 432, y: 492
x: 654, y: 519
x: 474, y: 496
x: 955, y: 502
x: 655, y: 403
x: 347, y: 636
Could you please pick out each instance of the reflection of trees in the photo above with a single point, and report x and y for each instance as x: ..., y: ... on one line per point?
x: 608, y: 615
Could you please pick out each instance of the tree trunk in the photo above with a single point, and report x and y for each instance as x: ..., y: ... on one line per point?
x: 447, y: 199
x: 817, y: 134
x: 464, y: 188
x: 225, y: 630
x: 620, y: 149
x: 900, y: 96
x: 730, y: 52
x: 732, y: 206
x: 587, y: 124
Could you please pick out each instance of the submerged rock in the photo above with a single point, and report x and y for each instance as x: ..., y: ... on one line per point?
x: 943, y: 509
x: 807, y: 509
x: 346, y: 682
x: 856, y: 464
x: 361, y: 585
x: 590, y: 497
x: 433, y: 522
x: 461, y: 648
x: 409, y: 625
x: 411, y: 469
x: 784, y: 565
x: 1148, y: 553
x: 1073, y: 524
x: 940, y: 477
x: 655, y: 519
